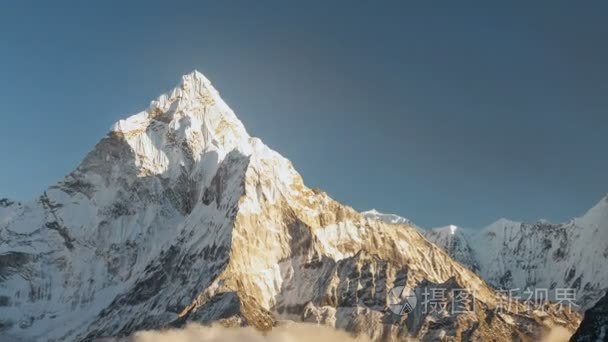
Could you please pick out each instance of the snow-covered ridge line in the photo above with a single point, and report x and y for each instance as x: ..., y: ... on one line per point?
x: 387, y: 218
x: 544, y: 255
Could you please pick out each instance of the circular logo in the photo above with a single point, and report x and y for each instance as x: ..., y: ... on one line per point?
x: 402, y: 300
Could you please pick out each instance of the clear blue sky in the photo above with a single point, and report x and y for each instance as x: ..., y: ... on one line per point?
x: 460, y: 113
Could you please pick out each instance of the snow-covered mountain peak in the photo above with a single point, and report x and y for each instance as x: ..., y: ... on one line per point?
x: 194, y: 105
x: 386, y: 218
x: 500, y: 224
x: 454, y: 240
x: 449, y: 229
x: 179, y: 129
x: 195, y: 77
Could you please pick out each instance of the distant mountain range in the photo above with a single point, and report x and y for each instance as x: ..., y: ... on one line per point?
x: 542, y: 255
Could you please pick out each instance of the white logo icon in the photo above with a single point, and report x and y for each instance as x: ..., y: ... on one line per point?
x: 402, y: 300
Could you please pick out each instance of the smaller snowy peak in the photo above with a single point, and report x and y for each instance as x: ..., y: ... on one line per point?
x: 501, y: 224
x: 450, y: 229
x: 447, y: 231
x: 386, y: 218
x: 453, y: 229
x: 455, y: 241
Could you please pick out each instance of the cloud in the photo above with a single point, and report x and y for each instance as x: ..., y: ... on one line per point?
x: 289, y: 332
x: 557, y: 334
x: 292, y: 332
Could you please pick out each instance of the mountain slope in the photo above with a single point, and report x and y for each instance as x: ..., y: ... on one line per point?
x: 387, y: 218
x: 542, y: 255
x: 594, y: 326
x: 179, y: 215
x: 455, y: 241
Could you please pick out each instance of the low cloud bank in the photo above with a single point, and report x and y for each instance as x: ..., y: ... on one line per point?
x: 292, y: 332
x: 558, y: 334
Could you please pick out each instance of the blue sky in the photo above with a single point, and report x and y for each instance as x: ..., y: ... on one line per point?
x: 456, y: 113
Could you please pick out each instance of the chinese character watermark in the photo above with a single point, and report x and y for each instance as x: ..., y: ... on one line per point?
x: 440, y: 300
x: 538, y: 299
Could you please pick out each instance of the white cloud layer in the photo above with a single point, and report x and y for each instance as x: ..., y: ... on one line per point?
x: 286, y: 333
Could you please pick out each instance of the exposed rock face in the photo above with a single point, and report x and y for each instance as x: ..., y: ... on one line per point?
x: 594, y: 326
x: 5, y: 203
x: 179, y: 215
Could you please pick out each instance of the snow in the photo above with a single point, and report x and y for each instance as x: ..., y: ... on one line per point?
x: 387, y: 218
x: 453, y: 229
x: 120, y: 196
x: 132, y: 123
x: 543, y: 255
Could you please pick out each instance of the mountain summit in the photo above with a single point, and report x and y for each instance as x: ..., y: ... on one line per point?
x: 178, y: 215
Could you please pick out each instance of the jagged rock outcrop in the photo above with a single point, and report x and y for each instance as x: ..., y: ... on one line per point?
x: 594, y: 327
x: 179, y: 215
